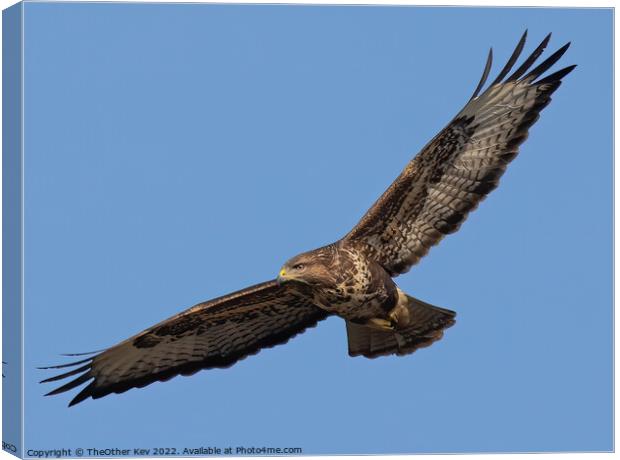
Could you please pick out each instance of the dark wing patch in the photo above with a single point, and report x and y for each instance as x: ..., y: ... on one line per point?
x: 213, y: 334
x: 456, y: 170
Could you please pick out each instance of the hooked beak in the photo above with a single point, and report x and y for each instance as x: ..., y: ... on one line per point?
x: 281, y: 277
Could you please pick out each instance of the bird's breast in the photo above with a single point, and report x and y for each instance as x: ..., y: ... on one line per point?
x: 359, y: 288
x: 354, y: 301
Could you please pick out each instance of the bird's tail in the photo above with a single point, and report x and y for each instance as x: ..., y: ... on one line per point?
x: 426, y: 326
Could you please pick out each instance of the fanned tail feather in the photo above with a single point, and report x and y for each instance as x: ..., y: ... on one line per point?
x: 427, y: 324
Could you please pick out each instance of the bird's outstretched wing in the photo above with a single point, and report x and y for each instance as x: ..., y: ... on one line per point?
x: 217, y: 333
x: 461, y: 165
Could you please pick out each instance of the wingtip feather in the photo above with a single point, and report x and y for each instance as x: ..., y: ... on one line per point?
x: 83, y: 354
x: 556, y: 76
x: 60, y: 366
x: 66, y: 374
x: 485, y: 74
x: 530, y: 60
x: 85, y: 393
x: 70, y: 385
x: 511, y: 61
x: 547, y: 63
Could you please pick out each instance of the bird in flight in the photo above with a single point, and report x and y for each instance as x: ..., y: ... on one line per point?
x: 352, y: 278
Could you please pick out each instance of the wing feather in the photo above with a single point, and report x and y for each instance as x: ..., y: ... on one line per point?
x: 217, y: 333
x: 456, y: 170
x: 485, y: 74
x: 530, y: 60
x: 513, y: 58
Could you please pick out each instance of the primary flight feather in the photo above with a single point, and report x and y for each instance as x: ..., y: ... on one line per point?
x: 353, y: 277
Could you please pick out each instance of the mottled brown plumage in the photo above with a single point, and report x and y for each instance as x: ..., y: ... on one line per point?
x: 352, y: 278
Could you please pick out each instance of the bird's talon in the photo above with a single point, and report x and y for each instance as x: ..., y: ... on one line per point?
x: 382, y: 324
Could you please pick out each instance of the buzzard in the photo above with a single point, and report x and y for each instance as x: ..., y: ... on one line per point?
x: 354, y: 277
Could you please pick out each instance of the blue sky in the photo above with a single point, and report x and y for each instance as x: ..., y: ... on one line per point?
x: 174, y: 153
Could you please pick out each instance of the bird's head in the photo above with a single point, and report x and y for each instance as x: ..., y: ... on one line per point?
x: 307, y: 268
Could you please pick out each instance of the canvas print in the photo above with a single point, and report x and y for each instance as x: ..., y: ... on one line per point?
x: 372, y: 230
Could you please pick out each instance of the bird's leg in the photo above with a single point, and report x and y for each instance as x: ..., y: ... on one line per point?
x: 399, y: 315
x: 393, y: 317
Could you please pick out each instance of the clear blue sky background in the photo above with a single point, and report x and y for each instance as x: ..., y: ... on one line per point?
x: 175, y: 153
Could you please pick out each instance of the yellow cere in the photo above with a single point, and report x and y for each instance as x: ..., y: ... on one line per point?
x: 282, y: 272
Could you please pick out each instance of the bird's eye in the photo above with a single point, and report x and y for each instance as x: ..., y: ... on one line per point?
x: 299, y: 267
